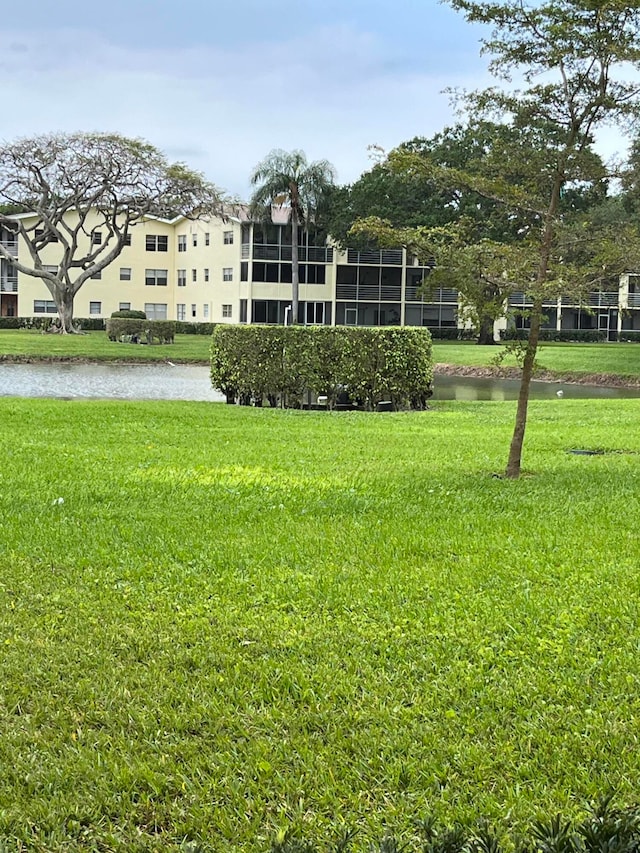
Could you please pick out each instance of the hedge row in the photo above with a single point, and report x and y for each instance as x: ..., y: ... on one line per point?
x: 283, y: 364
x: 141, y: 331
x: 605, y: 829
x: 576, y: 336
x: 87, y: 324
x: 451, y: 333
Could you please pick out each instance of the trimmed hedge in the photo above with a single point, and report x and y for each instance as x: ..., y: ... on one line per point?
x: 130, y: 314
x: 141, y: 331
x: 183, y: 328
x: 87, y: 324
x: 282, y: 364
x: 576, y: 336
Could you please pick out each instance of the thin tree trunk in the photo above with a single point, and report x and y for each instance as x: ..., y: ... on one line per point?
x: 295, y: 266
x: 515, y: 450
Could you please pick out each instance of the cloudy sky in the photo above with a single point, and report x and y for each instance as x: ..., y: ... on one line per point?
x: 219, y: 83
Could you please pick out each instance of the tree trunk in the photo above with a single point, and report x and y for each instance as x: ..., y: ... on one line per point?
x: 295, y: 266
x: 485, y: 332
x: 63, y: 298
x: 515, y: 450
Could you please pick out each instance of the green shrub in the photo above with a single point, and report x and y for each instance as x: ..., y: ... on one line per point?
x: 630, y: 337
x: 446, y: 333
x: 130, y: 314
x: 283, y: 364
x: 138, y: 331
x: 194, y: 328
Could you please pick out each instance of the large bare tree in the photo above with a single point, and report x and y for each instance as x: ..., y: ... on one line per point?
x: 66, y: 186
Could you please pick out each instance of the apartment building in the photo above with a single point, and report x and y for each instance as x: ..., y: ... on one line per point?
x: 233, y: 270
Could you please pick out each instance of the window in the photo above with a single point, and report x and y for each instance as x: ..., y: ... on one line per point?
x: 314, y: 313
x: 155, y: 278
x: 155, y: 310
x: 39, y: 235
x: 206, y: 274
x: 182, y: 242
x: 227, y: 238
x: 95, y: 308
x: 44, y: 306
x: 226, y: 311
x: 207, y: 238
x: 182, y: 278
x: 125, y: 273
x: 97, y: 274
x: 127, y: 240
x: 194, y: 275
x: 157, y: 243
x: 96, y: 238
x: 227, y: 273
x: 244, y: 271
x: 205, y: 311
x: 195, y: 239
x: 181, y: 311
x: 194, y: 311
x: 124, y: 306
x: 50, y: 268
x: 351, y: 317
x: 243, y: 310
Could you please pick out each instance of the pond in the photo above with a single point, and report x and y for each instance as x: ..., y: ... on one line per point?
x: 191, y: 382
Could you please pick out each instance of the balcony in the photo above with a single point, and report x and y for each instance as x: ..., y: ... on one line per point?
x: 11, y: 245
x: 8, y: 284
x: 387, y: 257
x: 633, y: 300
x: 267, y: 252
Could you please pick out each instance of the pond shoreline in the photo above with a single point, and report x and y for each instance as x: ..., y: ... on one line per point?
x: 609, y: 380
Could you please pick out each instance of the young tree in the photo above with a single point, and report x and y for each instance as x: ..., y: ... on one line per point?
x: 568, y: 54
x: 286, y: 179
x: 60, y: 187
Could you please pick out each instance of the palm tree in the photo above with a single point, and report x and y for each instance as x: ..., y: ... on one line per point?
x: 286, y: 179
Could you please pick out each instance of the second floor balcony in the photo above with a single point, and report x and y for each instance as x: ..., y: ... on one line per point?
x: 8, y: 284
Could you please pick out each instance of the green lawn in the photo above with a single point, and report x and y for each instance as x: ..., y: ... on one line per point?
x: 216, y: 622
x: 620, y: 359
x: 97, y: 346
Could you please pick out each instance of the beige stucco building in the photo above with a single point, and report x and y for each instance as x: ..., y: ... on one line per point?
x: 234, y: 271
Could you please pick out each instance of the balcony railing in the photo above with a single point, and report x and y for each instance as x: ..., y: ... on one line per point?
x: 8, y: 284
x: 266, y: 252
x: 387, y: 257
x: 11, y: 245
x: 633, y: 300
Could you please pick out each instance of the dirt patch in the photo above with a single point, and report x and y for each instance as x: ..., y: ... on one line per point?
x: 610, y: 380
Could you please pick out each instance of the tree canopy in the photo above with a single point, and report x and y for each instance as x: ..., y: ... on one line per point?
x: 286, y: 179
x: 57, y: 188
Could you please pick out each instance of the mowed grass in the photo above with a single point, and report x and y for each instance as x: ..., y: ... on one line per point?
x: 96, y: 346
x: 218, y: 622
x: 613, y: 358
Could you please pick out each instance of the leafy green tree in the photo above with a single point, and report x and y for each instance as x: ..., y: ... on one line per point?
x: 286, y: 179
x: 568, y: 54
x: 72, y: 184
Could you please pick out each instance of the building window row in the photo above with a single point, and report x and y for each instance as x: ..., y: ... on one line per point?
x: 157, y: 243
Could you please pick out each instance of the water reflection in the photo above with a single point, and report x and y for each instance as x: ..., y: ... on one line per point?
x: 191, y: 382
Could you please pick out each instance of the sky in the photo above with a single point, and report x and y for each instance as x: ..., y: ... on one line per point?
x: 218, y: 84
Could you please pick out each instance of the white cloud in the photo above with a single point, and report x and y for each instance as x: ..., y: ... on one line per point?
x: 332, y: 93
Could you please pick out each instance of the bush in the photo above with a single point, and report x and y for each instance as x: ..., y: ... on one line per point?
x: 194, y: 328
x: 576, y: 336
x: 630, y: 337
x: 130, y: 314
x: 141, y: 331
x: 44, y: 323
x: 282, y: 364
